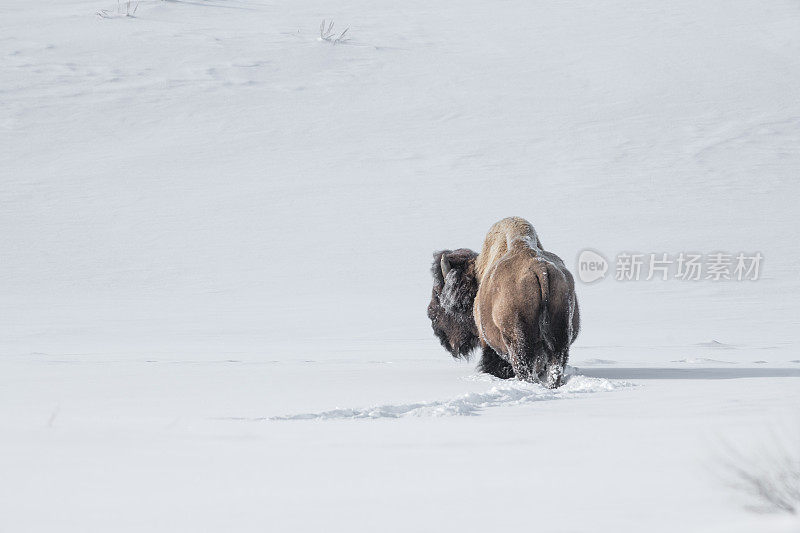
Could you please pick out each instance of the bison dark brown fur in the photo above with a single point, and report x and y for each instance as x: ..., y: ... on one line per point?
x: 451, y: 310
x: 452, y: 298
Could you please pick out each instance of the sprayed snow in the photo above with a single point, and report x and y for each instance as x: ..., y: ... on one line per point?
x: 530, y: 240
x: 504, y: 394
x: 448, y: 297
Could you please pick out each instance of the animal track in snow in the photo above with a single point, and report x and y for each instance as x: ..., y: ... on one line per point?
x: 505, y: 393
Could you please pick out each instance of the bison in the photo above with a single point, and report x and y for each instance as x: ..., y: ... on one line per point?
x: 514, y: 300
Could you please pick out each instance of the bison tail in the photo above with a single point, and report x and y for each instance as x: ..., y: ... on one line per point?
x: 545, y: 320
x: 556, y: 311
x: 555, y: 325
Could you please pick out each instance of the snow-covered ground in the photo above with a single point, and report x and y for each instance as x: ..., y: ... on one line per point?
x: 215, y: 236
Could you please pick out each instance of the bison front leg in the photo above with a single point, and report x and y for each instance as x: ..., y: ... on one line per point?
x: 493, y: 364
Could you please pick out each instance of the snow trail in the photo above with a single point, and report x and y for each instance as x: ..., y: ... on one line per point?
x: 506, y: 393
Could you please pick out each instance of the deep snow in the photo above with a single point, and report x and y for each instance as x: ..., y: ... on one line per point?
x: 210, y: 218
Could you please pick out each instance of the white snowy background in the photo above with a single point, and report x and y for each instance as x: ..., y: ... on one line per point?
x: 210, y: 218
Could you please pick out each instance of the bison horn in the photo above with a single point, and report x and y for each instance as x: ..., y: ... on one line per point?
x: 445, y: 265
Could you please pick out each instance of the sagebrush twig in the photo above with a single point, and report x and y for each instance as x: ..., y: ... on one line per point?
x: 327, y: 33
x: 771, y: 476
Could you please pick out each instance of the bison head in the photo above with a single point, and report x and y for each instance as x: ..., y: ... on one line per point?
x: 450, y: 310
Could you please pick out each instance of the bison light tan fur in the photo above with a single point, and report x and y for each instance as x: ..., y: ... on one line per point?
x: 515, y: 300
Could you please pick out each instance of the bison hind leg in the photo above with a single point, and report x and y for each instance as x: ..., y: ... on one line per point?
x: 554, y: 373
x: 533, y: 360
x: 492, y: 363
x: 554, y: 376
x: 522, y: 356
